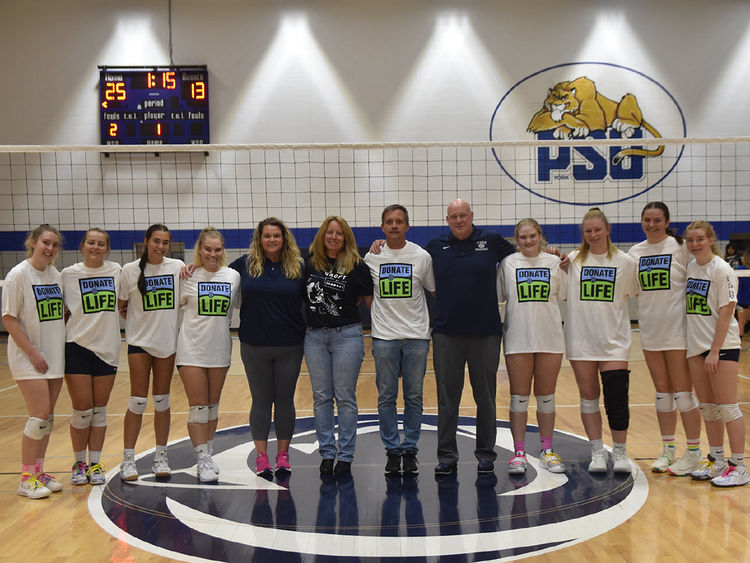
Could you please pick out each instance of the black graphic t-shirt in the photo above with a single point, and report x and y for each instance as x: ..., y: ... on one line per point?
x: 331, y: 297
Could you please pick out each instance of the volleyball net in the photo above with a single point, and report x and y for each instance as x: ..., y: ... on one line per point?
x: 123, y: 189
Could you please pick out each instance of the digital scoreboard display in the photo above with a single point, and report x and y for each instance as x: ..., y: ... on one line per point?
x: 154, y: 105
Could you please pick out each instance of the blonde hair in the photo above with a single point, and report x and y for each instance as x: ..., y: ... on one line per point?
x: 537, y: 227
x: 291, y: 260
x: 208, y: 232
x: 34, y: 235
x: 347, y: 259
x: 583, y: 250
x: 707, y: 228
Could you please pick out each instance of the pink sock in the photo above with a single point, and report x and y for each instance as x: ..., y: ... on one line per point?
x: 519, y: 446
x: 546, y: 442
x: 26, y: 469
x: 38, y: 466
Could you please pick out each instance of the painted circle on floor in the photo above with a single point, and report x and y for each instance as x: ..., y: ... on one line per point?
x: 366, y: 515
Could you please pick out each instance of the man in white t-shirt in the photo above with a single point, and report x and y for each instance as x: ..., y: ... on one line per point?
x: 401, y: 273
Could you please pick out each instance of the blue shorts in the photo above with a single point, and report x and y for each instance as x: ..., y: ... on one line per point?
x: 136, y: 350
x: 732, y: 355
x: 82, y: 360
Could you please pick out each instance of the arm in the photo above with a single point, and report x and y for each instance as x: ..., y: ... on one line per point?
x: 122, y: 306
x: 376, y: 246
x: 726, y: 313
x: 367, y: 300
x: 187, y: 271
x: 16, y: 332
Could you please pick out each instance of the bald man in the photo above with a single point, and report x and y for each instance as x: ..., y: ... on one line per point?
x: 467, y: 330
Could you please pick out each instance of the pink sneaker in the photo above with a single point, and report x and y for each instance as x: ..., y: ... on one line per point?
x: 262, y: 467
x: 282, y: 462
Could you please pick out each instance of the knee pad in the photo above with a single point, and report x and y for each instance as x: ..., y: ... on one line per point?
x: 81, y: 419
x: 50, y: 424
x: 36, y: 428
x: 519, y: 403
x: 665, y: 402
x: 615, y: 385
x: 213, y: 411
x: 685, y: 401
x: 710, y: 412
x: 199, y: 414
x: 730, y: 412
x: 161, y: 403
x: 137, y: 405
x: 546, y: 403
x: 589, y: 406
x: 99, y: 417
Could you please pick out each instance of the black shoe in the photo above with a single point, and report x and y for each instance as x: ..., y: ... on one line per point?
x: 342, y: 467
x: 326, y: 467
x: 393, y: 466
x: 485, y: 466
x: 445, y: 468
x: 410, y: 464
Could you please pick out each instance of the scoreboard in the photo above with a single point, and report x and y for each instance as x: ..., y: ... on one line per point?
x: 154, y: 105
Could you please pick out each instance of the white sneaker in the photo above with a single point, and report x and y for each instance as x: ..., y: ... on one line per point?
x: 598, y: 461
x: 551, y: 462
x: 50, y: 482
x: 160, y: 466
x: 733, y: 476
x: 32, y: 487
x: 621, y: 462
x: 688, y: 463
x: 213, y: 465
x: 709, y: 469
x: 517, y: 464
x: 206, y: 473
x: 128, y: 471
x: 667, y: 458
x: 96, y: 474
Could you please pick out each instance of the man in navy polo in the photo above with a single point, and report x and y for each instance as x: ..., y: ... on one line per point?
x: 467, y: 330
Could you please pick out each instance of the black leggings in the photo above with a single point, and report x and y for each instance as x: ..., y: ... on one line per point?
x: 272, y: 373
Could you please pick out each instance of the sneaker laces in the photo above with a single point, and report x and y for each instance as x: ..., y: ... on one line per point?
x: 45, y: 478
x: 551, y: 458
x: 728, y: 470
x: 95, y: 468
x: 518, y: 459
x: 32, y: 480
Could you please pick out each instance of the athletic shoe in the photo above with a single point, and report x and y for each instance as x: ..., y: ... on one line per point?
x: 551, y: 462
x: 733, y: 476
x: 50, y: 482
x: 709, y: 469
x: 393, y: 465
x: 206, y: 473
x: 342, y: 468
x: 79, y: 476
x: 32, y: 488
x: 282, y: 462
x: 621, y: 462
x: 444, y: 468
x: 128, y: 471
x: 688, y: 463
x: 262, y: 466
x: 409, y: 463
x: 598, y: 461
x: 96, y: 474
x: 326, y: 467
x: 667, y: 458
x: 517, y: 464
x: 160, y: 465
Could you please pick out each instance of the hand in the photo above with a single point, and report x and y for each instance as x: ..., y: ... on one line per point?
x: 122, y: 306
x: 187, y: 271
x: 564, y: 262
x: 712, y: 362
x: 38, y: 361
x: 376, y: 246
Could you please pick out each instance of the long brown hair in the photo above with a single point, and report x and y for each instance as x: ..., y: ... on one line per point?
x: 665, y: 210
x: 349, y: 256
x: 291, y: 260
x: 144, y: 257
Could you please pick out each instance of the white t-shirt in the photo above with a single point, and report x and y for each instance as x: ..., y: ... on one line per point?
x: 208, y: 298
x: 532, y: 287
x: 400, y: 278
x: 661, y: 271
x: 597, y: 327
x: 91, y: 297
x: 708, y: 288
x: 35, y: 299
x: 152, y: 318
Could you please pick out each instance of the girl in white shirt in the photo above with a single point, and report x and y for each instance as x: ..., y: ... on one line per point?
x: 662, y: 267
x: 33, y: 316
x: 149, y: 301
x: 204, y: 346
x: 92, y: 350
x: 597, y: 336
x: 531, y: 282
x: 713, y: 350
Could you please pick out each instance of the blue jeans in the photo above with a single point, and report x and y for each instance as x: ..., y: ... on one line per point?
x: 334, y: 356
x: 407, y: 359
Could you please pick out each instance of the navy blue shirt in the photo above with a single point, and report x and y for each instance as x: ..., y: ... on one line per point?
x: 465, y: 282
x: 271, y: 311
